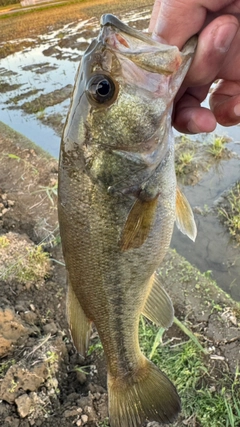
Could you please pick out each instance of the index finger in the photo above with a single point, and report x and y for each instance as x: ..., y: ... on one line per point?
x: 176, y: 21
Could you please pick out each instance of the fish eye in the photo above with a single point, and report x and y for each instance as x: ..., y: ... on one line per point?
x: 101, y: 88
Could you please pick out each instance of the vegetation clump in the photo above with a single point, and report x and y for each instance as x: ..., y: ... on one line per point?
x: 183, y: 161
x: 185, y: 364
x: 230, y: 213
x: 217, y: 146
x: 22, y: 261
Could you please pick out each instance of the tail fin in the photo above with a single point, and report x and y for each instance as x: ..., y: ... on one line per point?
x: 146, y: 395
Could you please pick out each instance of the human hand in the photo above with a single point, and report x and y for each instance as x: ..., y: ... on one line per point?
x: 217, y: 57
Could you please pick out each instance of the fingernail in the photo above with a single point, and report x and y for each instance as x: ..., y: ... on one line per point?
x: 223, y: 37
x: 236, y: 110
x: 192, y: 127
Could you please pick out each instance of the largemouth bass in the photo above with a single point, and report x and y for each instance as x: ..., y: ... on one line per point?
x: 117, y: 205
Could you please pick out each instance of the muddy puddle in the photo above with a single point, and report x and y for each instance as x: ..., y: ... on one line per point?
x: 35, y: 87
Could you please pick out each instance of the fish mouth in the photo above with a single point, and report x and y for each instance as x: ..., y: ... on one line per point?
x: 109, y: 20
x: 139, y: 47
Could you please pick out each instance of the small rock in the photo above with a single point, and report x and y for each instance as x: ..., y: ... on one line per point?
x: 21, y: 379
x: 97, y: 396
x: 29, y: 317
x: 70, y: 413
x: 52, y: 385
x: 11, y: 422
x: 50, y: 328
x: 24, y: 404
x: 73, y: 397
x: 84, y: 419
x: 11, y: 330
x: 5, y: 346
x: 4, y: 211
x: 84, y: 401
x: 94, y: 388
x: 19, y: 308
x: 81, y: 377
x: 233, y: 319
x: 79, y: 422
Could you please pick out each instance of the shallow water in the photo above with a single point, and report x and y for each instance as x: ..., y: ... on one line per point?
x: 213, y: 249
x: 52, y: 65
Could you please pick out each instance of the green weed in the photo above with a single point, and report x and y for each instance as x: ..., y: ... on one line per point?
x: 184, y: 139
x: 50, y: 191
x: 231, y: 214
x: 104, y: 423
x: 29, y: 268
x: 82, y: 369
x: 95, y: 348
x: 182, y: 161
x: 217, y: 146
x: 18, y: 159
x: 185, y: 364
x: 4, y: 242
x: 4, y: 366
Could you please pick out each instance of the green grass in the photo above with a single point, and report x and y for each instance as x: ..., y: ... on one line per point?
x: 4, y: 366
x: 213, y: 402
x: 29, y: 267
x: 182, y: 161
x: 217, y: 146
x: 104, y: 423
x: 231, y: 215
x: 50, y: 191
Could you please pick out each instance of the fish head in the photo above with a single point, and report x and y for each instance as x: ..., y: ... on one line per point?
x: 124, y: 90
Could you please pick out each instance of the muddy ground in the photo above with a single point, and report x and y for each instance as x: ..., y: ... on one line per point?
x: 24, y: 27
x: 43, y: 381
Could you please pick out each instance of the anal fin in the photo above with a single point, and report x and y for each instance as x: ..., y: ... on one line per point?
x: 158, y: 307
x: 80, y: 325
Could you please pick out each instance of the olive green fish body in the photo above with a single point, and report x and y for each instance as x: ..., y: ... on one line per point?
x: 117, y: 203
x: 111, y: 285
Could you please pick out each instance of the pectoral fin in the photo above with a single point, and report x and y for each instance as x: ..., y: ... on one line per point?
x: 80, y: 325
x: 138, y: 224
x: 158, y: 307
x: 184, y: 216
